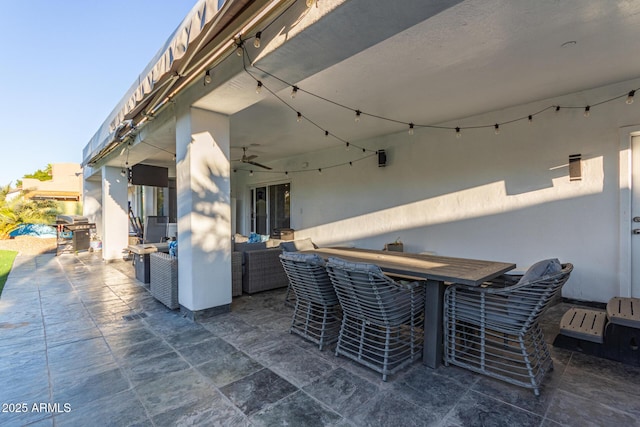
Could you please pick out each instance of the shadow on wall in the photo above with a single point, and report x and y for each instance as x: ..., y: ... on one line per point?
x: 204, y: 203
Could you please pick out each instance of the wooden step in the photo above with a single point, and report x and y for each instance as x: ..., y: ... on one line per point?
x: 624, y: 311
x: 584, y: 324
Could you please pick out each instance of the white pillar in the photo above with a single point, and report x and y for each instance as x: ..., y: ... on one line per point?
x: 92, y: 204
x: 204, y: 212
x: 149, y: 200
x: 115, y: 219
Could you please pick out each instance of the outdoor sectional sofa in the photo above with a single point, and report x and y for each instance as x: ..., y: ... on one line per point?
x: 256, y: 267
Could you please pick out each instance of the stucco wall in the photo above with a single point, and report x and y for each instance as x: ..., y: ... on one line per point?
x: 506, y: 197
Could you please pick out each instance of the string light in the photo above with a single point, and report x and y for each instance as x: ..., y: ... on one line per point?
x: 458, y: 130
x: 630, y: 97
x: 250, y: 173
x: 358, y: 113
x: 259, y: 87
x: 256, y: 40
x: 207, y: 77
x: 239, y: 49
x: 347, y: 146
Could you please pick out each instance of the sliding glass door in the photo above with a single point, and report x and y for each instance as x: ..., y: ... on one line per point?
x: 270, y: 208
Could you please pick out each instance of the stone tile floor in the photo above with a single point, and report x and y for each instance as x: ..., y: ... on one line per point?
x: 84, y: 343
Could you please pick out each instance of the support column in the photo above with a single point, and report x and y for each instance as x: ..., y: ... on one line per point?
x: 149, y: 200
x: 115, y: 218
x: 92, y: 204
x: 204, y: 212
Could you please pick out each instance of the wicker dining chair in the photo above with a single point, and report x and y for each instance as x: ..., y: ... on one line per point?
x: 494, y: 329
x: 316, y: 313
x: 382, y: 319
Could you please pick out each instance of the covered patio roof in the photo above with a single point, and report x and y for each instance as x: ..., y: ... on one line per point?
x: 427, y: 65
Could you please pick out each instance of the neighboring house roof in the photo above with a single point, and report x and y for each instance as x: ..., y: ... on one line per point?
x: 65, y: 184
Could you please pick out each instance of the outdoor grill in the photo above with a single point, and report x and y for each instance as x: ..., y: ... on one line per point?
x: 74, y: 233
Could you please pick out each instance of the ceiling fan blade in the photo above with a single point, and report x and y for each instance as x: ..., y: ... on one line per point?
x: 258, y: 164
x: 251, y: 157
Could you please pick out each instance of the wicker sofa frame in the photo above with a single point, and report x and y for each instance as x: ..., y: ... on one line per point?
x: 164, y: 279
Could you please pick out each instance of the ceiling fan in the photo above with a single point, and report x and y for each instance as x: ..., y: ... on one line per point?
x: 249, y: 159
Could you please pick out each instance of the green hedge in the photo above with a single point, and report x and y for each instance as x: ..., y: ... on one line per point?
x: 6, y: 262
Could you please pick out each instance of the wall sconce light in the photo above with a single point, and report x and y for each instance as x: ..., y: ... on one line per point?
x: 575, y: 167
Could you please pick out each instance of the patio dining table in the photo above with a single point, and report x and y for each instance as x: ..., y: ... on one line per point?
x: 437, y: 270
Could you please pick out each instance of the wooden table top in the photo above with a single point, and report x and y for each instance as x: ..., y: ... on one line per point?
x: 447, y: 269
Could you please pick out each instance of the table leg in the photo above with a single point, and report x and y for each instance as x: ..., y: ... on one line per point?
x: 432, y: 349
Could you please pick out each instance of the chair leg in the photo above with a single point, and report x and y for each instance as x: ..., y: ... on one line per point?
x: 527, y: 362
x: 323, y: 330
x: 385, y: 360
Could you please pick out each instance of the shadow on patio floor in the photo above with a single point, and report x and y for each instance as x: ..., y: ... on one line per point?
x: 84, y: 343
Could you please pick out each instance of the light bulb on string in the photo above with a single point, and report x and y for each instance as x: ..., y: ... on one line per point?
x: 251, y: 173
x: 410, y: 128
x: 326, y: 134
x: 587, y: 111
x: 458, y: 133
x: 347, y: 146
x: 496, y: 128
x: 299, y: 116
x: 319, y: 171
x: 256, y: 40
x: 207, y: 77
x: 350, y: 163
x: 259, y: 87
x: 294, y: 91
x: 630, y: 97
x: 239, y: 50
x: 358, y: 113
x: 530, y: 118
x: 557, y: 108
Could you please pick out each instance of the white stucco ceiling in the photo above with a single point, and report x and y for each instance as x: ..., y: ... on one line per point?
x: 463, y: 59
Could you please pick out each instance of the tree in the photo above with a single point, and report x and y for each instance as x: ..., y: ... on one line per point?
x: 41, y: 175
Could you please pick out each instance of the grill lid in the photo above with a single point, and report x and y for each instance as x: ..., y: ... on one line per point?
x: 71, y: 219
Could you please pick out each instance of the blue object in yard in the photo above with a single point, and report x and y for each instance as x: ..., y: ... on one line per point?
x: 173, y: 248
x: 36, y: 230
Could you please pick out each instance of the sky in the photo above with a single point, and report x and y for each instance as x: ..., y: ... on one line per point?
x: 64, y: 66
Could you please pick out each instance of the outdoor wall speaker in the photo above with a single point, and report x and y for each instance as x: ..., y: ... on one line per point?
x: 382, y: 158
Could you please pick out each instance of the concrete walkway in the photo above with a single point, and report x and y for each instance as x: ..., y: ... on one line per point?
x: 83, y: 343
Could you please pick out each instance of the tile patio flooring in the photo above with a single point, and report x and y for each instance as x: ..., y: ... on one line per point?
x: 64, y: 340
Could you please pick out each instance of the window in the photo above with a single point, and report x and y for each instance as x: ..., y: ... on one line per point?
x: 270, y: 208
